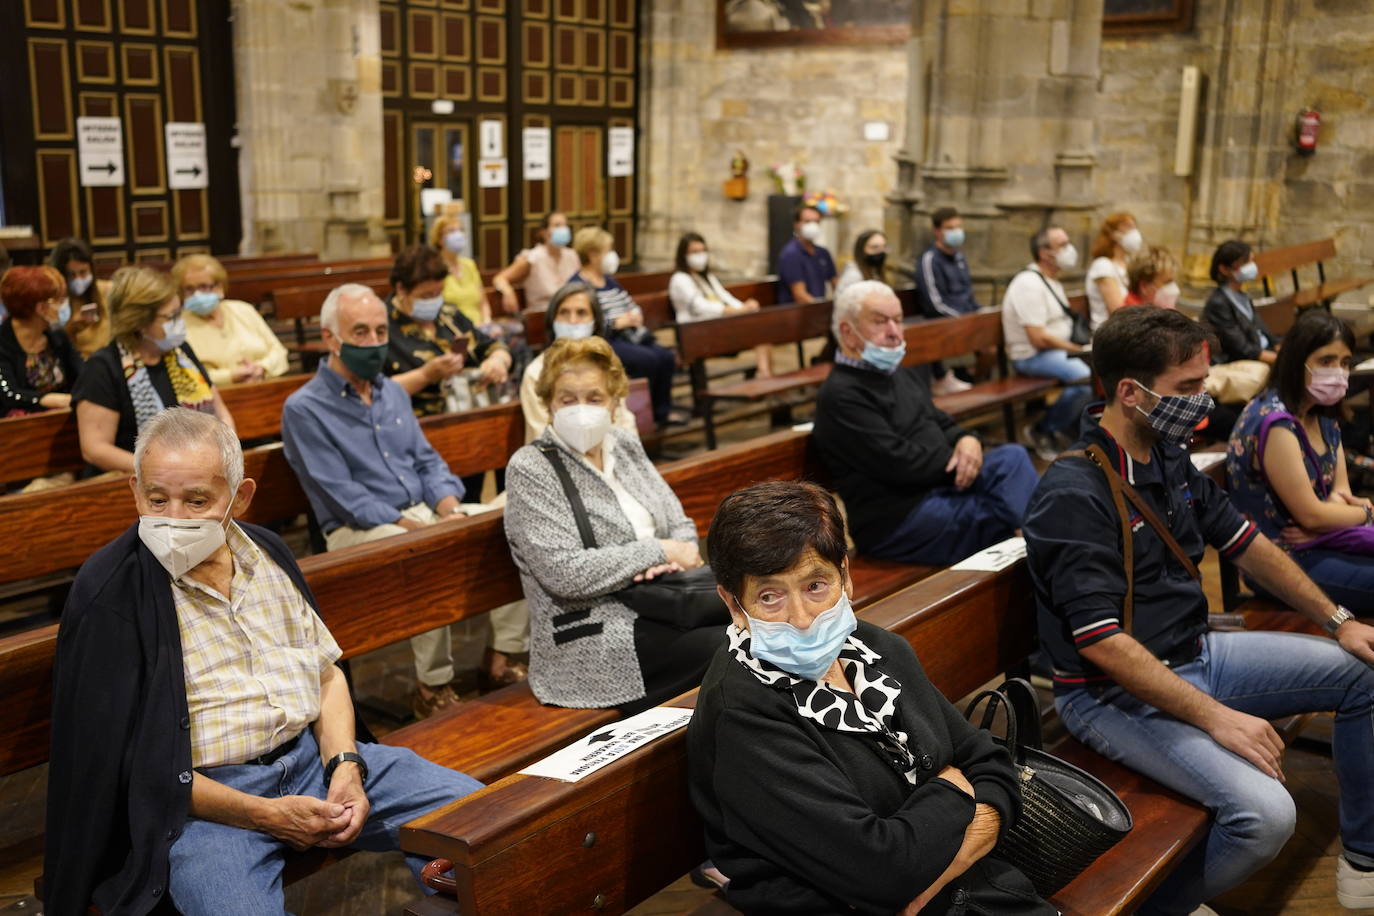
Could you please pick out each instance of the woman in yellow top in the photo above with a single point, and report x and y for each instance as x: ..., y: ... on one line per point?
x: 89, y: 327
x: 233, y: 342
x: 463, y: 287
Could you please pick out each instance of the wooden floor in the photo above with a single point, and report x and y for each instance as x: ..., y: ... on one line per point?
x: 1300, y: 882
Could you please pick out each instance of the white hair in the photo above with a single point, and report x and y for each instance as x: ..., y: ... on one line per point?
x: 180, y: 427
x: 329, y: 312
x: 848, y: 303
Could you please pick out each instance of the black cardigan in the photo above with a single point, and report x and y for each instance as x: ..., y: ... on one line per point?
x: 119, y: 776
x: 1238, y: 337
x: 15, y: 394
x: 885, y: 444
x: 805, y: 820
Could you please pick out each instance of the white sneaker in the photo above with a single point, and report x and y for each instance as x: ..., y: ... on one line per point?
x: 1043, y: 444
x: 1354, y: 888
x: 1203, y: 910
x: 951, y: 384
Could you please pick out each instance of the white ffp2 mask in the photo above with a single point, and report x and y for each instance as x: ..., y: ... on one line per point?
x: 182, y: 544
x: 583, y: 426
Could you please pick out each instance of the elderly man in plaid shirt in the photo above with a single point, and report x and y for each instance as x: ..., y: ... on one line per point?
x: 200, y: 723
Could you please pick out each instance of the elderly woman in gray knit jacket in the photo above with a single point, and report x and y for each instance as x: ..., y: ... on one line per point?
x: 586, y: 648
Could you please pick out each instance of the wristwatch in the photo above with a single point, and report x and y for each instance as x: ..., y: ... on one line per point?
x: 1335, y: 620
x: 345, y: 757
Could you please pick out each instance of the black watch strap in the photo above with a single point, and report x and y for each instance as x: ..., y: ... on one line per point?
x: 344, y: 757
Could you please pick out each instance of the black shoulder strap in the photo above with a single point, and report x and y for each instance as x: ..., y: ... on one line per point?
x: 1043, y: 279
x: 584, y: 525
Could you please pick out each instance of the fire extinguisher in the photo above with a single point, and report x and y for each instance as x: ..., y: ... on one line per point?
x: 1309, y: 125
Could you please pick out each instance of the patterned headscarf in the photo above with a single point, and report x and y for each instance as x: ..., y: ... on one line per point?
x: 871, y: 708
x: 192, y: 390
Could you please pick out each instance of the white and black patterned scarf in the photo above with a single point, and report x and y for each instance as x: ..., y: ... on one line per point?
x: 872, y: 708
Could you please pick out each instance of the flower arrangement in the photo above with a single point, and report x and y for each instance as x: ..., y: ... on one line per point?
x: 788, y: 178
x: 827, y: 202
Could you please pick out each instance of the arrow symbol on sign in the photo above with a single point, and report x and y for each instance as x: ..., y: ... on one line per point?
x: 108, y: 168
x: 604, y: 736
x: 193, y: 171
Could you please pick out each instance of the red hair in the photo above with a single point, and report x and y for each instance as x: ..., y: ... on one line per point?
x: 1105, y: 243
x: 23, y: 289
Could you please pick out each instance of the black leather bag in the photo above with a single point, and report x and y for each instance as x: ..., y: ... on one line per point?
x: 1068, y: 816
x: 683, y: 600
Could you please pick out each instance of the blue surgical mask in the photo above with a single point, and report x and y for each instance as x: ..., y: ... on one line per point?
x: 173, y: 334
x: 566, y: 330
x: 1247, y: 272
x: 79, y: 285
x: 560, y: 236
x: 806, y: 653
x: 64, y: 314
x: 954, y: 238
x: 201, y: 303
x: 888, y: 359
x: 456, y: 241
x: 426, y: 309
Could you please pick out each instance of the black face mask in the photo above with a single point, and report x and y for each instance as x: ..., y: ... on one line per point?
x: 876, y: 261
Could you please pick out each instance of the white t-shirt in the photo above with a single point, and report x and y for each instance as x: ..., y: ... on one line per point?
x: 848, y: 277
x: 1029, y: 302
x: 1097, y: 306
x: 696, y: 298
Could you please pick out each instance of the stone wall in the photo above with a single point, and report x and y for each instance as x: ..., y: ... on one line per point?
x: 309, y: 126
x: 1263, y: 63
x: 807, y: 104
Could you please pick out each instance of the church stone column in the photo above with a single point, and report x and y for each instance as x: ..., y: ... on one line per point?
x: 1006, y: 97
x: 308, y: 77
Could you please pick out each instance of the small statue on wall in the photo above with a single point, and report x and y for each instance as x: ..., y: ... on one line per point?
x: 737, y: 186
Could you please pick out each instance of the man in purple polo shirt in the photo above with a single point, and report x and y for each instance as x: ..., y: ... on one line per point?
x: 806, y: 272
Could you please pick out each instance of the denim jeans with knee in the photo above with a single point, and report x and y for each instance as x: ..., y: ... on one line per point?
x: 217, y: 869
x: 1270, y: 675
x: 1063, y: 414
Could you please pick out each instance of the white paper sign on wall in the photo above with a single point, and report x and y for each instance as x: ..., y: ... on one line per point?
x: 620, y: 151
x: 100, y: 151
x: 492, y: 144
x: 536, y: 144
x: 491, y: 173
x: 187, y: 164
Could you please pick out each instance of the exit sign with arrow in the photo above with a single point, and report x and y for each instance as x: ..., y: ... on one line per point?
x: 187, y: 167
x: 100, y: 151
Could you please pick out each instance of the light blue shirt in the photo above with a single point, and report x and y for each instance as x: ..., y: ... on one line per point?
x: 360, y: 465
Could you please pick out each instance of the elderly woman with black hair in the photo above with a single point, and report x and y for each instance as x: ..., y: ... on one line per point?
x: 831, y: 774
x: 1286, y: 467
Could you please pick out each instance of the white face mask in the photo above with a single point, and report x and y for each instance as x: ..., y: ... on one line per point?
x: 1131, y: 241
x: 1166, y: 297
x: 582, y: 426
x: 1067, y: 257
x: 610, y: 263
x: 182, y: 544
x: 698, y: 260
x: 811, y: 231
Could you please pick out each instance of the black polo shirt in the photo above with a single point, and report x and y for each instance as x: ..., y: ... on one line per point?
x: 1073, y: 549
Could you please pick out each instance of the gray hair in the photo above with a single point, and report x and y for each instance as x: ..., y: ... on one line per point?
x: 852, y: 299
x: 329, y: 312
x: 1041, y: 240
x: 180, y: 427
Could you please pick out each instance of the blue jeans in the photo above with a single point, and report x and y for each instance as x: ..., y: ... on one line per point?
x: 949, y: 524
x: 1057, y: 364
x: 1270, y: 675
x: 1346, y: 578
x: 216, y: 868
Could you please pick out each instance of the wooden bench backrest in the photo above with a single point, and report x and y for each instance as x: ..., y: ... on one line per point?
x: 256, y: 408
x: 1274, y: 261
x: 260, y: 285
x: 779, y: 324
x: 233, y: 263
x: 941, y: 338
x: 304, y: 301
x: 374, y: 594
x: 527, y: 836
x: 650, y: 281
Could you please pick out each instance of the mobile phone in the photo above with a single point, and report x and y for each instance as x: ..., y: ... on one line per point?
x: 459, y: 346
x: 90, y: 308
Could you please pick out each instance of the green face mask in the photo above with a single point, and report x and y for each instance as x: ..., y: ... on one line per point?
x: 364, y: 362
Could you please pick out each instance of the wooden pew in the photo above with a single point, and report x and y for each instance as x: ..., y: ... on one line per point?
x: 232, y: 263
x: 258, y: 286
x: 941, y: 338
x: 622, y: 833
x: 301, y: 305
x: 47, y: 443
x: 699, y: 341
x: 1291, y: 259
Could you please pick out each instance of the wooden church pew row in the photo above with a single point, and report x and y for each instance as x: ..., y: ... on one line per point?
x: 47, y: 443
x: 623, y: 833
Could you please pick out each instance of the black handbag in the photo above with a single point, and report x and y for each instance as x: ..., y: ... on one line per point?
x: 1080, y: 329
x: 1068, y: 816
x: 683, y: 600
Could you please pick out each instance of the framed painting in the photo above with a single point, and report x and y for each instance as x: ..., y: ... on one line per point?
x: 775, y: 23
x: 1144, y: 17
